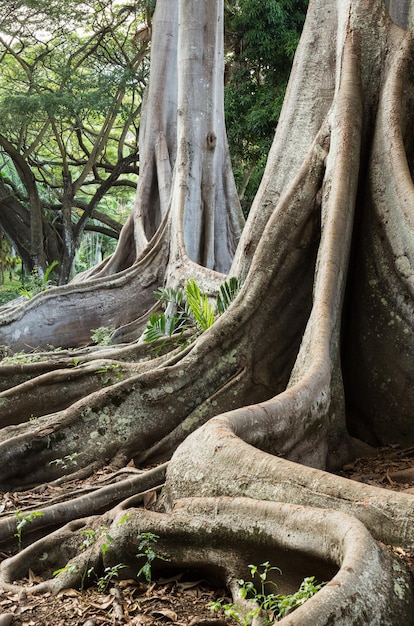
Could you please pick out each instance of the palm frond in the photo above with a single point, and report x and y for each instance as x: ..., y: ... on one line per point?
x: 228, y: 292
x: 156, y: 327
x: 199, y: 307
x: 170, y: 294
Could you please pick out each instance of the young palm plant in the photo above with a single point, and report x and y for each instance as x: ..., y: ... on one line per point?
x: 188, y: 310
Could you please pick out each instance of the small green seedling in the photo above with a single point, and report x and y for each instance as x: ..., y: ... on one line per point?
x: 110, y: 367
x: 70, y: 569
x: 22, y: 521
x: 74, y: 362
x: 63, y: 463
x: 273, y: 606
x: 91, y: 536
x: 36, y: 283
x: 109, y: 574
x: 234, y: 612
x: 146, y: 542
x: 124, y: 519
x: 307, y: 589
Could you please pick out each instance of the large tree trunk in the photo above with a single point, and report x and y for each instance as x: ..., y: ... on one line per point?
x: 318, y: 341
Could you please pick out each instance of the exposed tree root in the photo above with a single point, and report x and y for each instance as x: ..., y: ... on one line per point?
x: 78, y: 504
x: 220, y: 536
x: 215, y: 460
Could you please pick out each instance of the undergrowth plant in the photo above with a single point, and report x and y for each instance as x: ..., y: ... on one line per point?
x: 91, y: 536
x: 188, y: 310
x: 22, y: 522
x: 22, y: 357
x: 147, y: 541
x: 107, y: 577
x: 271, y: 606
x: 69, y: 459
x: 36, y: 283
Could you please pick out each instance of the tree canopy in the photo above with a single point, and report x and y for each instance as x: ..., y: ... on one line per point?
x: 70, y: 97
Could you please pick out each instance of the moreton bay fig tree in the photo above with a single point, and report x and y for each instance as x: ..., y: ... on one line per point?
x: 310, y: 365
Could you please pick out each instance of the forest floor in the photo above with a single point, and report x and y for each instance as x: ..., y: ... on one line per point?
x: 180, y: 600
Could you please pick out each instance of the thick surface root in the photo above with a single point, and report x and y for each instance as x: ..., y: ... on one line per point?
x: 207, y: 535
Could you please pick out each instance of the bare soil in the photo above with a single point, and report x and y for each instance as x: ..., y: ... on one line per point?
x: 182, y: 600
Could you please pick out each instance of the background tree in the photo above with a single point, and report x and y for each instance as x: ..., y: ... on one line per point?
x: 257, y: 406
x: 260, y: 40
x: 7, y: 258
x: 69, y: 107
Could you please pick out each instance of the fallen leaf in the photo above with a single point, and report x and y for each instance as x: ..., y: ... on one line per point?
x: 33, y: 578
x: 68, y: 593
x: 190, y: 584
x: 107, y: 601
x: 142, y: 620
x: 171, y: 615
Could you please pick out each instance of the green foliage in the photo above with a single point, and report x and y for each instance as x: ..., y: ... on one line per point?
x: 21, y: 357
x: 147, y: 541
x: 232, y: 611
x: 109, y: 574
x: 157, y: 327
x: 69, y: 459
x: 8, y: 260
x: 102, y: 582
x: 9, y: 294
x: 199, y: 306
x: 124, y: 519
x: 37, y: 283
x: 228, y: 292
x: 71, y: 568
x: 273, y: 606
x: 307, y: 589
x: 23, y: 521
x: 102, y: 335
x: 188, y: 310
x: 74, y: 362
x: 91, y: 536
x: 70, y: 94
x: 261, y: 38
x: 111, y: 367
